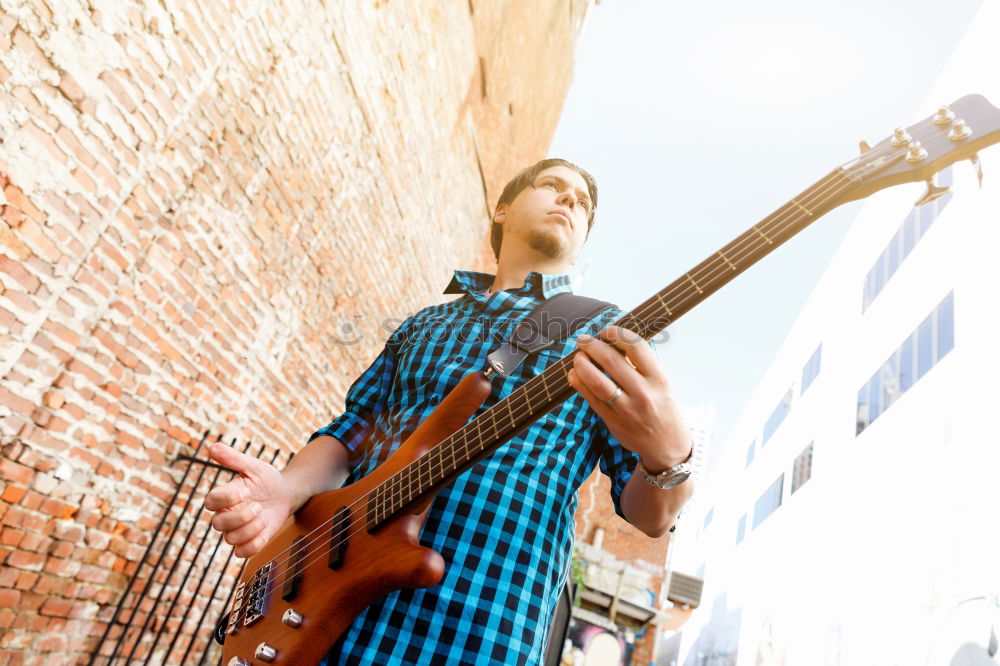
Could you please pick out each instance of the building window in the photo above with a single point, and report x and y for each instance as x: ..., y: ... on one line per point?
x: 927, y: 345
x: 811, y: 369
x: 802, y: 469
x: 708, y: 517
x: 768, y: 502
x: 777, y: 416
x: 913, y: 228
x: 741, y: 529
x: 750, y: 452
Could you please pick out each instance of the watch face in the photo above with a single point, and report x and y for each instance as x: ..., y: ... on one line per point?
x: 672, y: 477
x: 676, y: 479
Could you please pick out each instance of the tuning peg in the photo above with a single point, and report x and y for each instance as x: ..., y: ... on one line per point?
x: 978, y: 166
x: 959, y: 130
x: 864, y: 147
x: 943, y: 116
x: 900, y: 137
x: 916, y: 153
x: 932, y: 192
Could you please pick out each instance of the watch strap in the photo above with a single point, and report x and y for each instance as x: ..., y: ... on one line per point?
x: 670, y: 477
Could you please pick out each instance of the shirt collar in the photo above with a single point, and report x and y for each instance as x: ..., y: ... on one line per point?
x: 544, y: 284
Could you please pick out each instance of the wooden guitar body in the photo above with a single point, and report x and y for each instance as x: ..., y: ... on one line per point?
x: 374, y: 563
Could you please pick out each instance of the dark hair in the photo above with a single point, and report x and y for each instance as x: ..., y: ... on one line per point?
x: 525, y: 178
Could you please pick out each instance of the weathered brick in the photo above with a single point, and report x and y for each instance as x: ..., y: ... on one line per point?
x: 11, y: 471
x: 50, y: 643
x: 92, y: 574
x: 9, y: 598
x: 44, y: 483
x: 11, y: 537
x: 58, y: 607
x: 18, y: 273
x: 13, y: 494
x: 60, y: 549
x: 19, y: 200
x: 31, y: 233
x: 20, y: 559
x: 37, y: 543
x: 70, y: 88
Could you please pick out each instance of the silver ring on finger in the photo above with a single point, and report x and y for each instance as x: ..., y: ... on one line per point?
x: 611, y: 401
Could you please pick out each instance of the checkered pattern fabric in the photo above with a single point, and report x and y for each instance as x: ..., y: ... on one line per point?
x: 505, y: 527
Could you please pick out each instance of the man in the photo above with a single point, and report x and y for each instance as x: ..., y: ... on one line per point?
x: 505, y: 527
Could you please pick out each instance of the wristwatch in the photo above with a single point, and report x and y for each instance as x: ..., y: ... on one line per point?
x: 670, y: 477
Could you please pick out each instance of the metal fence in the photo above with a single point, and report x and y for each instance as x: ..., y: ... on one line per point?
x: 185, y: 579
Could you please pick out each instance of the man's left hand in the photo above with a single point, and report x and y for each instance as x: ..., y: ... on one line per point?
x: 634, y: 398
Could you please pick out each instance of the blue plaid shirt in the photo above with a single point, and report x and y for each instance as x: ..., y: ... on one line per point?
x: 505, y: 527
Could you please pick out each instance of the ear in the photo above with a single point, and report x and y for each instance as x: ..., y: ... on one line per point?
x: 500, y: 216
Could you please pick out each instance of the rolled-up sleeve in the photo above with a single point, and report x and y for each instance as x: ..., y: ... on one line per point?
x: 364, y: 402
x: 617, y: 463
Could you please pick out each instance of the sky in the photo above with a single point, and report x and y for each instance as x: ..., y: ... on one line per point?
x: 699, y: 119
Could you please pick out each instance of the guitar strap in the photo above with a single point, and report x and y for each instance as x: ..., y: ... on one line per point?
x: 550, y: 322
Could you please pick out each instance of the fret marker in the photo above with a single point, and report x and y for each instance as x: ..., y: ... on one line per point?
x: 803, y: 208
x: 688, y: 275
x: 761, y: 233
x: 726, y: 259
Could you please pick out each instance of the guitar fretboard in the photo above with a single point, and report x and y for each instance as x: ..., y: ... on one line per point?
x: 524, y: 405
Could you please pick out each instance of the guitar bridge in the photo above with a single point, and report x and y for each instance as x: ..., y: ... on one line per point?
x: 256, y: 594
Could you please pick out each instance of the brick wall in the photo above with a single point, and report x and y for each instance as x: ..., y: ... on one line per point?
x: 196, y: 202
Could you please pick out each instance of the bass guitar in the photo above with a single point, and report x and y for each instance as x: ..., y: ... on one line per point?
x: 346, y: 548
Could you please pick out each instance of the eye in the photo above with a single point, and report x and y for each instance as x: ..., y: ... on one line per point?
x: 550, y: 183
x: 584, y: 204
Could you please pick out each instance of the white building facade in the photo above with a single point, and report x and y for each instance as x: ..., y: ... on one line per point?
x: 853, y: 516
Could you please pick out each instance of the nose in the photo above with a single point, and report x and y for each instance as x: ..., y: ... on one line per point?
x: 566, y: 198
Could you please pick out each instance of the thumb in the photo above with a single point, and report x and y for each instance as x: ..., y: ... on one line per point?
x: 233, y: 459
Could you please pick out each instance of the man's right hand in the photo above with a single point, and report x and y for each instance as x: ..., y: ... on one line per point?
x: 250, y: 508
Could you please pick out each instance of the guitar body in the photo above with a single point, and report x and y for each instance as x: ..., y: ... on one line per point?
x: 373, y: 565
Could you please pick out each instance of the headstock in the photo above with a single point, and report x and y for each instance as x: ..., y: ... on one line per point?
x: 953, y: 133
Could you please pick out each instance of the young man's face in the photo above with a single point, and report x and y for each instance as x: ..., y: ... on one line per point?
x: 550, y: 215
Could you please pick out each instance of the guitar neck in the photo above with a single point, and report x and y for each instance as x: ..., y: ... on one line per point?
x: 527, y: 403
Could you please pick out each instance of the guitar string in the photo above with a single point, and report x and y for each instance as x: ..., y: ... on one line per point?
x: 874, y: 152
x: 479, y: 427
x: 526, y: 389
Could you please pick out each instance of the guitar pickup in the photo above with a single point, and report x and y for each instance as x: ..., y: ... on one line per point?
x: 339, y: 537
x: 293, y: 574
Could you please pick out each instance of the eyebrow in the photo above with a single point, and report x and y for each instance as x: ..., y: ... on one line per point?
x: 580, y: 194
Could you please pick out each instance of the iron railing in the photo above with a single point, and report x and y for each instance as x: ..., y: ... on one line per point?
x: 182, y: 585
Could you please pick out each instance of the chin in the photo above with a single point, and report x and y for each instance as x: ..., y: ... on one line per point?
x: 549, y: 245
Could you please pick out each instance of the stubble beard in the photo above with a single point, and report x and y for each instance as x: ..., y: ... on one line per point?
x: 546, y: 242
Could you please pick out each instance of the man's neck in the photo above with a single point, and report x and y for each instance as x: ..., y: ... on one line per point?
x: 511, y: 274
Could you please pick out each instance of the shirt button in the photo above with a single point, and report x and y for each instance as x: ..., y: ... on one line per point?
x: 435, y: 398
x: 459, y: 359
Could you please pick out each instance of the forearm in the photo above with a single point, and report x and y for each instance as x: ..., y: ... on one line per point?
x: 322, y: 465
x: 650, y: 509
